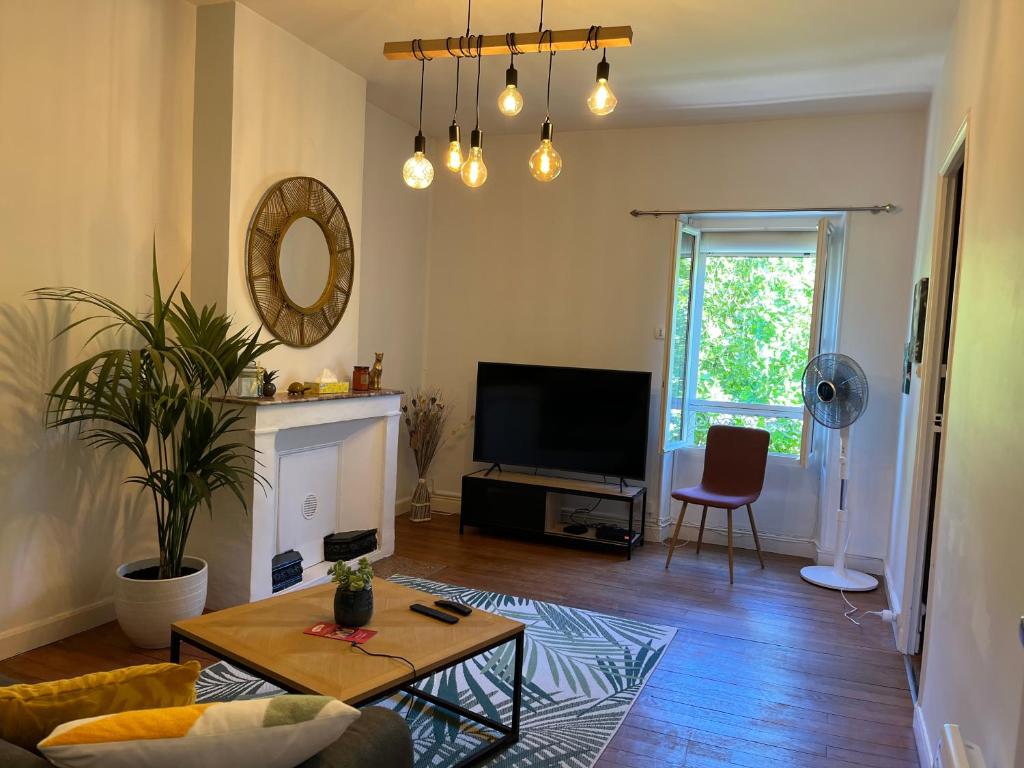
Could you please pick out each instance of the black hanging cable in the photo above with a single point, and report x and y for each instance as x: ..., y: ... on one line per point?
x: 540, y: 27
x: 423, y: 71
x: 458, y: 65
x: 551, y: 58
x: 458, y: 59
x: 479, y: 58
x: 360, y: 648
x: 420, y: 55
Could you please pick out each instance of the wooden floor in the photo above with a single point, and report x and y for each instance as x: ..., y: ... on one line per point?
x: 763, y: 673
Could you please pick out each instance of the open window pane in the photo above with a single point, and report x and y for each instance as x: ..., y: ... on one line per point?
x: 755, y: 329
x: 786, y: 432
x: 676, y: 391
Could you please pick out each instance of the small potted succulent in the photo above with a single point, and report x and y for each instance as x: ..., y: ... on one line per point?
x: 353, y: 600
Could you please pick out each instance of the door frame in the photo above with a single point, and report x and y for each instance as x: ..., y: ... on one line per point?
x: 918, y: 559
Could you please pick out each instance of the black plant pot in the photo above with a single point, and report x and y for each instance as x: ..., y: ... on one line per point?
x: 353, y: 609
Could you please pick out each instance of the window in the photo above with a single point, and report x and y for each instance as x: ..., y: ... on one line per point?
x: 743, y: 310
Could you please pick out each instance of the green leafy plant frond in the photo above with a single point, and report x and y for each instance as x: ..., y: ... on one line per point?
x: 352, y: 579
x: 156, y: 399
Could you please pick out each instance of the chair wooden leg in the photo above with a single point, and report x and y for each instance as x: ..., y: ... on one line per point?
x: 753, y: 529
x: 675, y: 536
x: 700, y: 536
x: 729, y: 513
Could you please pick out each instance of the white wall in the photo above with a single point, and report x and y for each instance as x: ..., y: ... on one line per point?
x: 394, y: 267
x: 561, y: 273
x: 293, y: 112
x: 973, y: 662
x: 98, y: 101
x: 96, y: 161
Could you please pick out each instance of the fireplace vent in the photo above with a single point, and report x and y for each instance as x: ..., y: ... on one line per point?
x: 309, y: 505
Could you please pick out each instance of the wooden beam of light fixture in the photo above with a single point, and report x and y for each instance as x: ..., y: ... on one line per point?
x: 496, y: 45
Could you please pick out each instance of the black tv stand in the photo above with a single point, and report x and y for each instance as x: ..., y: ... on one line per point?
x: 516, y: 501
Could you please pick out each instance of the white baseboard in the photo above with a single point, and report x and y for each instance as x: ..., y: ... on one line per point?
x: 447, y: 502
x: 924, y: 744
x: 54, y: 628
x: 443, y: 502
x: 657, y: 531
x: 895, y: 607
x: 743, y: 539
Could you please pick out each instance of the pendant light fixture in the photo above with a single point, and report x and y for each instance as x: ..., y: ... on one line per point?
x: 510, y: 100
x: 474, y: 172
x: 454, y: 158
x: 601, y: 100
x: 545, y: 162
x: 418, y: 172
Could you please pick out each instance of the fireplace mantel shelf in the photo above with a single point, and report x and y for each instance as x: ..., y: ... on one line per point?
x: 286, y: 399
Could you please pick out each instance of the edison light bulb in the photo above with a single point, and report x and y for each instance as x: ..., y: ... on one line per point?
x: 545, y: 162
x: 418, y: 171
x: 474, y: 172
x: 601, y: 100
x: 510, y: 100
x: 453, y: 157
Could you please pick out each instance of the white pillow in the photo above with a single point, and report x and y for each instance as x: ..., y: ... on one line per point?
x: 278, y: 732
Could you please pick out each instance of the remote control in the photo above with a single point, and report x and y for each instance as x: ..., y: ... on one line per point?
x: 459, y: 608
x: 434, y: 614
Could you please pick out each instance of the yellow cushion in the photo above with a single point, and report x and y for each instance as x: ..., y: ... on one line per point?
x: 30, y: 712
x: 277, y: 732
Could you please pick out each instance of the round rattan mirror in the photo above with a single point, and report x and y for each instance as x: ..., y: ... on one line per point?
x: 300, y: 260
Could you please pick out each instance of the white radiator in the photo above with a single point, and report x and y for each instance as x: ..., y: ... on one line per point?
x: 954, y: 752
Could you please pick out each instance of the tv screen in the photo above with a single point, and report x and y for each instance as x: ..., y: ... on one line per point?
x: 572, y: 419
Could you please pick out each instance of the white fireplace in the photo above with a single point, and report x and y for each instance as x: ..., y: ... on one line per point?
x: 330, y: 465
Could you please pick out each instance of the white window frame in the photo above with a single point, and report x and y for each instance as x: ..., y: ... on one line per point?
x: 693, y: 404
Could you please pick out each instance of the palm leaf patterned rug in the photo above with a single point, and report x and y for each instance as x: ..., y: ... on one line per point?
x: 582, y: 671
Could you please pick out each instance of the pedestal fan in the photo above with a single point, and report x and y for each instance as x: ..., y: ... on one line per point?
x: 835, y: 392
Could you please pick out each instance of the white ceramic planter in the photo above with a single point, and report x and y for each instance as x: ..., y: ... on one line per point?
x: 146, y: 608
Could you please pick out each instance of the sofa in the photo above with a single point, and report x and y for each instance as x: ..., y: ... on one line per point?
x: 378, y: 739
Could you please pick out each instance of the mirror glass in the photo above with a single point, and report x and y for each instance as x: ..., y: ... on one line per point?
x: 305, y: 262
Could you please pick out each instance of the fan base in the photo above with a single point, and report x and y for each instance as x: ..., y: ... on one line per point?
x: 828, y: 577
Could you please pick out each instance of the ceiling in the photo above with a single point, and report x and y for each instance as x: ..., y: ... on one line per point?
x: 691, y: 60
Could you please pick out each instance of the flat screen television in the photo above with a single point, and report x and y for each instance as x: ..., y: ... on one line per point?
x: 571, y: 419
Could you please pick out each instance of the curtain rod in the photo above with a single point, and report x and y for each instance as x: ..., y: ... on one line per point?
x: 873, y: 209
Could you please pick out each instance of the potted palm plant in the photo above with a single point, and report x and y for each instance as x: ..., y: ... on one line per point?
x: 156, y: 399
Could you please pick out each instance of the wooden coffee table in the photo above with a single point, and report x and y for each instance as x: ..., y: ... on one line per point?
x: 266, y: 639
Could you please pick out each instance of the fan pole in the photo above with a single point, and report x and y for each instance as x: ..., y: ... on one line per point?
x: 837, y: 576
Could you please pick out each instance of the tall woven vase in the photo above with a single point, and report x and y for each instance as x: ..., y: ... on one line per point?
x: 419, y: 510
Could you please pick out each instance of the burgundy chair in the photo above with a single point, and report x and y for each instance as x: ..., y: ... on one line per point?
x: 734, y: 462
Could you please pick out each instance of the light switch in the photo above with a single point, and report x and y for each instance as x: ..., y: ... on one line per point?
x: 659, y: 333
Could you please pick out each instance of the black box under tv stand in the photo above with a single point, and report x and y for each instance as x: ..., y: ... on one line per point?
x: 517, y: 501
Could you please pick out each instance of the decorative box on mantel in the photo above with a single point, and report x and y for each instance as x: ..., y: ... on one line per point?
x: 330, y: 462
